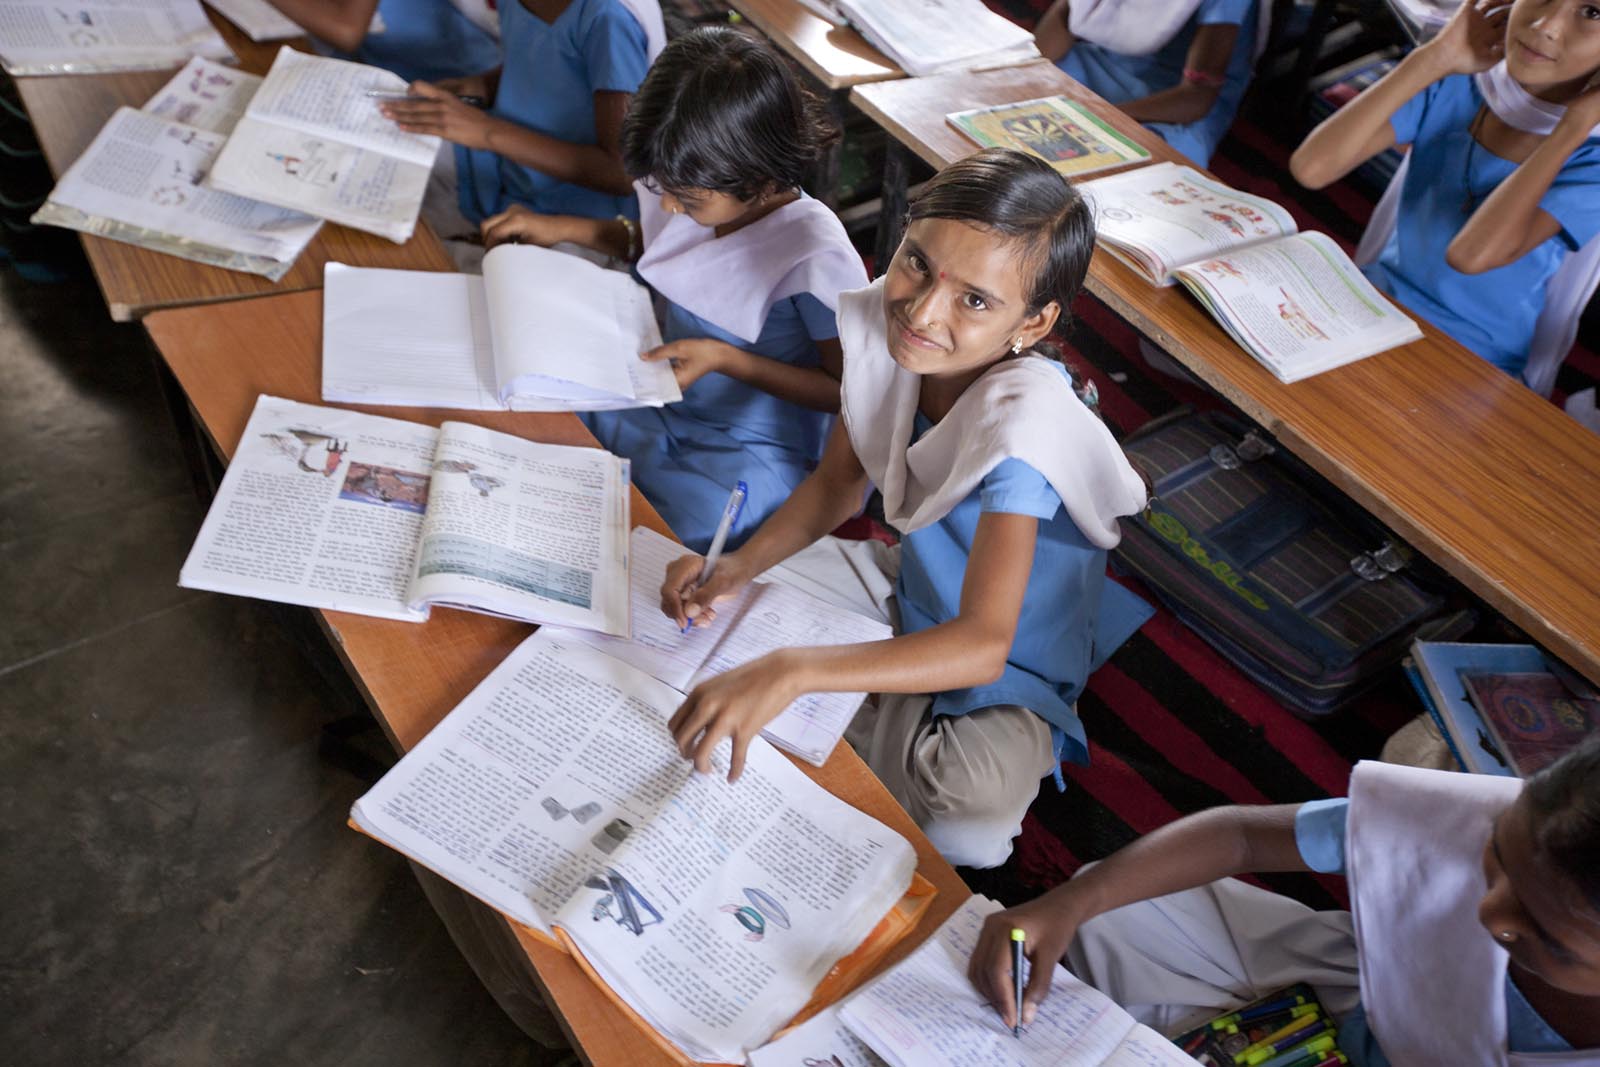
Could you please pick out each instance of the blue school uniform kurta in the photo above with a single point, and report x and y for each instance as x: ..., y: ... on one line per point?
x: 428, y: 40
x: 687, y: 457
x: 1493, y: 313
x: 1120, y: 78
x: 1071, y: 620
x: 1319, y: 833
x: 551, y: 72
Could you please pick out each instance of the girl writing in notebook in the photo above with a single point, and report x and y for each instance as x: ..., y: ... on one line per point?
x: 1475, y: 936
x: 429, y: 39
x: 550, y: 136
x: 749, y: 270
x: 1178, y: 66
x: 1500, y: 111
x: 1008, y: 489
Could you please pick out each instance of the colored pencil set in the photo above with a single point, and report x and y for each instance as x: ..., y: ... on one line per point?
x: 1287, y: 1029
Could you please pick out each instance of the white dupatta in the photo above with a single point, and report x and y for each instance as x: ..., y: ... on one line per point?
x: 1142, y: 27
x: 1573, y: 283
x: 1021, y: 408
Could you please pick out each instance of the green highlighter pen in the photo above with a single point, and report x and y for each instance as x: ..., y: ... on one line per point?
x: 1018, y: 940
x: 1304, y: 1055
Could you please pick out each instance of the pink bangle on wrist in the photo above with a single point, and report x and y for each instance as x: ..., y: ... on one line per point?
x: 1202, y: 77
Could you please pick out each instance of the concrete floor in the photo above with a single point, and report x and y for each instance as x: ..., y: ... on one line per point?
x: 177, y: 883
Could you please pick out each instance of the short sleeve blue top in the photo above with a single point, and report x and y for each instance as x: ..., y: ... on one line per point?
x: 547, y: 83
x: 1120, y: 78
x: 428, y: 40
x: 1319, y: 827
x: 1053, y: 649
x: 1448, y: 176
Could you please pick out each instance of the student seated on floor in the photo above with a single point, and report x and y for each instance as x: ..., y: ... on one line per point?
x: 550, y: 138
x: 1008, y: 489
x: 1502, y: 182
x: 1474, y: 936
x: 1178, y: 66
x: 749, y: 270
x: 428, y: 39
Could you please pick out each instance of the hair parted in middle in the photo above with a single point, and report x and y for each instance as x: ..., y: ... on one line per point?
x: 720, y: 110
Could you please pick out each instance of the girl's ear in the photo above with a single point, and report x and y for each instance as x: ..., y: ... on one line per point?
x: 1037, y: 327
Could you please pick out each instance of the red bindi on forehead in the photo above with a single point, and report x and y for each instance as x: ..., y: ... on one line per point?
x: 941, y: 276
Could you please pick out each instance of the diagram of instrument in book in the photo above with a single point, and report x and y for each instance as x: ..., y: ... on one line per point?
x: 483, y: 483
x: 313, y: 452
x: 761, y: 908
x: 622, y: 903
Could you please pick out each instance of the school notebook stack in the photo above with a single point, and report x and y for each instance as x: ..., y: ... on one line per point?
x: 95, y: 36
x: 934, y: 36
x: 312, y: 140
x: 717, y: 911
x: 141, y: 181
x: 924, y: 1012
x: 765, y: 617
x: 539, y: 331
x: 1292, y: 300
x: 1062, y: 133
x: 351, y: 512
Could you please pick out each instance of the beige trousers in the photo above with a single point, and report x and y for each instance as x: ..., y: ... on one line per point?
x: 965, y: 780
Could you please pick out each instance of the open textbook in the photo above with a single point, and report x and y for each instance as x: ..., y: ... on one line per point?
x: 1292, y: 300
x: 539, y: 331
x: 766, y: 616
x: 314, y: 141
x: 933, y: 36
x: 351, y: 512
x: 260, y: 21
x: 926, y: 1013
x: 1062, y: 132
x: 554, y: 793
x: 140, y: 181
x: 94, y: 36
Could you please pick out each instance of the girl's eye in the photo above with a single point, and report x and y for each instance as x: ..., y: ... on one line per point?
x: 1589, y: 11
x: 975, y: 302
x: 916, y: 263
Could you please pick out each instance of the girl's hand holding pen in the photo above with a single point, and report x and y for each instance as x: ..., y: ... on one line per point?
x: 432, y: 110
x: 690, y: 604
x: 1050, y: 923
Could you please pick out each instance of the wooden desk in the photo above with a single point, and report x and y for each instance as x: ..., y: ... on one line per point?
x: 837, y: 56
x: 68, y: 111
x: 410, y: 674
x: 1494, y: 484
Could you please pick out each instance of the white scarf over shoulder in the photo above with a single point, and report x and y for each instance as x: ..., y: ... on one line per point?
x: 1142, y: 27
x: 1432, y: 979
x: 1573, y: 283
x: 1020, y: 408
x: 486, y: 16
x: 733, y: 281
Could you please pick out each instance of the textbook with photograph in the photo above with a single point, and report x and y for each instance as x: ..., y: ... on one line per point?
x: 766, y: 616
x: 313, y: 140
x: 925, y: 37
x: 351, y: 512
x: 100, y: 36
x: 539, y: 331
x: 717, y: 911
x: 141, y: 181
x: 1294, y: 301
x: 1059, y: 131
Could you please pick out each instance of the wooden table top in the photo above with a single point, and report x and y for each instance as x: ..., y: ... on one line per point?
x: 68, y: 110
x: 1495, y: 484
x: 412, y: 674
x: 837, y: 56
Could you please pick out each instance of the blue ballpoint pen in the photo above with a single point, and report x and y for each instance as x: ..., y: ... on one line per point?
x: 730, y: 515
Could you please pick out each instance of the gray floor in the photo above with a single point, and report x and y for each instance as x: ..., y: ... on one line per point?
x: 177, y: 885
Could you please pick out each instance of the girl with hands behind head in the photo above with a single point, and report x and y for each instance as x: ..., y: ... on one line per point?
x: 1502, y: 115
x: 1007, y: 487
x: 1478, y: 898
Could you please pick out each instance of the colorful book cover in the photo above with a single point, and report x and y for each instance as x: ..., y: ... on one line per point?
x: 1441, y: 665
x: 1058, y: 131
x: 1534, y: 717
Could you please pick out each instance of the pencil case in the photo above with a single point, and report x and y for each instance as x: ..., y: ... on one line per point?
x: 1289, y: 1028
x: 1272, y: 566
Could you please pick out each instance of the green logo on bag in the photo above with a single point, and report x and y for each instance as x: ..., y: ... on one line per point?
x: 1173, y: 530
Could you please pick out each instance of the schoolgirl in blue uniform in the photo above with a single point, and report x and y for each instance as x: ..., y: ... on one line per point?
x: 1503, y: 178
x: 1007, y: 487
x: 748, y: 270
x: 1179, y: 67
x: 550, y: 139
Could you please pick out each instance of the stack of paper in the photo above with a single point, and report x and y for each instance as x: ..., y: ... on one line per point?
x: 47, y: 37
x: 933, y: 36
x: 139, y: 181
